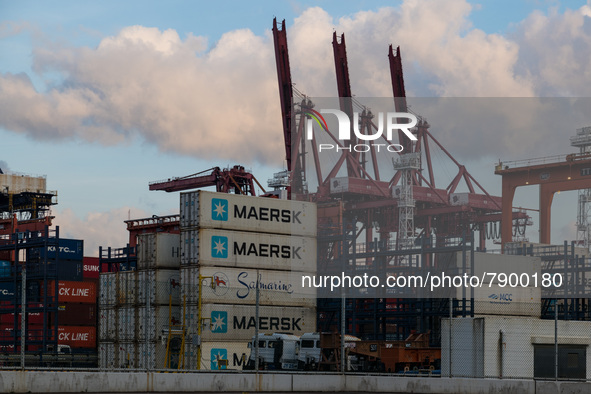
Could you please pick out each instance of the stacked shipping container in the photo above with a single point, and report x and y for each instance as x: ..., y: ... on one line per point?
x: 232, y: 245
x: 71, y: 313
x: 137, y: 308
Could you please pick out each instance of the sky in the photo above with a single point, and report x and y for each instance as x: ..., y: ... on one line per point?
x: 105, y: 97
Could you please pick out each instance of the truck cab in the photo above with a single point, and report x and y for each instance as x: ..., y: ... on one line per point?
x: 309, y: 355
x: 276, y: 351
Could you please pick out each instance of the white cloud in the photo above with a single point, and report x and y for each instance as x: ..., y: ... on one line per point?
x: 105, y: 229
x: 222, y: 103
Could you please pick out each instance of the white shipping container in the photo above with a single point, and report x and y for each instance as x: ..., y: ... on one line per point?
x: 157, y: 321
x: 189, y: 277
x: 107, y: 324
x: 164, y: 286
x: 126, y: 287
x: 237, y: 322
x: 152, y: 355
x: 238, y: 286
x: 508, y: 301
x: 126, y: 355
x: 108, y: 289
x: 189, y: 247
x: 235, y: 352
x: 158, y: 250
x: 224, y: 248
x: 500, y: 264
x: 107, y: 354
x: 126, y: 323
x: 247, y: 213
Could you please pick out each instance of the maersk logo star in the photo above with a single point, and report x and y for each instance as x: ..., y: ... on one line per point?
x: 219, y: 209
x: 219, y: 247
x: 217, y: 355
x: 219, y: 322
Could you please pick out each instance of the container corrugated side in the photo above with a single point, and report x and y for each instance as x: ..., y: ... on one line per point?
x: 163, y: 286
x: 158, y: 250
x: 107, y: 355
x: 152, y: 355
x: 107, y: 324
x: 127, y: 288
x: 157, y: 321
x: 75, y: 315
x: 189, y: 277
x: 108, y: 289
x: 238, y: 286
x: 126, y: 355
x: 237, y: 322
x: 247, y: 213
x: 127, y: 322
x: 223, y: 248
x: 77, y: 336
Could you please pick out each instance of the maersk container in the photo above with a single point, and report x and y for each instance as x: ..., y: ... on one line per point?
x: 158, y: 320
x: 158, y: 250
x: 237, y: 322
x: 107, y: 354
x: 127, y: 288
x: 108, y: 289
x: 238, y: 286
x: 127, y: 322
x: 222, y: 248
x: 164, y: 287
x: 247, y: 213
x: 507, y: 301
x: 107, y: 324
x: 216, y: 355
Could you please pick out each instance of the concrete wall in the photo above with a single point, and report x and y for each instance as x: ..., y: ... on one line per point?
x: 116, y: 382
x: 519, y: 336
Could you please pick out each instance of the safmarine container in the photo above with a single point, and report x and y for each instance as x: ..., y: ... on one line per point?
x: 238, y: 286
x: 158, y: 250
x: 238, y: 322
x: 247, y: 213
x: 157, y: 322
x: 189, y: 277
x: 223, y: 248
x: 163, y: 287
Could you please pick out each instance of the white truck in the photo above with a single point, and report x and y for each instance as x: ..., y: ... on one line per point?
x: 276, y: 351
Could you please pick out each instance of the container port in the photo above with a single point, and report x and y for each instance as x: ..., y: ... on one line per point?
x: 219, y: 286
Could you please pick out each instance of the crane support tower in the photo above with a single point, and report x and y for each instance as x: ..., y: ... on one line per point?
x: 582, y: 140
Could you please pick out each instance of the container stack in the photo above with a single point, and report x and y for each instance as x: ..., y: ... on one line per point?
x: 74, y: 316
x: 137, y: 308
x: 232, y: 245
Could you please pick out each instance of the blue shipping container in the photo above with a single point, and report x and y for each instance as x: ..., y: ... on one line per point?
x: 70, y: 270
x: 4, y: 269
x: 6, y: 291
x: 69, y: 249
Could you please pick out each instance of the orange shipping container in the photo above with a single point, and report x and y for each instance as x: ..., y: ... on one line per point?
x: 70, y: 291
x: 77, y: 336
